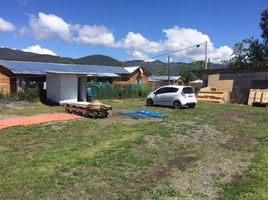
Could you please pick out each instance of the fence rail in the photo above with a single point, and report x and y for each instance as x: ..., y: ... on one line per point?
x: 114, y: 91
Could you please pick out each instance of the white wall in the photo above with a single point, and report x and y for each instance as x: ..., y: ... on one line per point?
x: 69, y: 87
x: 53, y: 87
x: 62, y: 87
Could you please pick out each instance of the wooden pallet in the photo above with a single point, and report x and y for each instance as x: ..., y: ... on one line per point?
x: 213, y: 96
x: 89, y: 110
x: 258, y: 97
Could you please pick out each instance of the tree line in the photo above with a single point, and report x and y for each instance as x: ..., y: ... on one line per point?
x: 252, y: 52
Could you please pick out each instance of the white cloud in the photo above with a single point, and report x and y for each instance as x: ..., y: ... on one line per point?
x: 39, y: 50
x: 96, y: 35
x: 47, y: 25
x: 176, y: 38
x: 138, y: 46
x: 6, y: 26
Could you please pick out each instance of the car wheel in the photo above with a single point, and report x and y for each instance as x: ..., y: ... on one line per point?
x: 149, y: 102
x: 177, y: 105
x: 191, y: 105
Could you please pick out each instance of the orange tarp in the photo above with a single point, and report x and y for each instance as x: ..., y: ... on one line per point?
x: 37, y: 119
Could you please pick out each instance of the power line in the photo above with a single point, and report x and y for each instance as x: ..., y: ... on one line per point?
x: 171, y: 52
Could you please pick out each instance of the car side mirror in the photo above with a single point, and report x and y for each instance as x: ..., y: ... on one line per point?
x: 155, y: 93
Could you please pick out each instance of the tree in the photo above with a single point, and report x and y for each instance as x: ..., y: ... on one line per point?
x: 264, y: 28
x: 186, y: 73
x: 247, y: 53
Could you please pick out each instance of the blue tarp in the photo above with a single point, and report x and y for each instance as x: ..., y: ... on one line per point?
x: 140, y: 114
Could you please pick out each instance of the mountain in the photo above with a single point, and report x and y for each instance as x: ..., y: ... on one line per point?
x: 156, y: 67
x: 98, y: 60
x: 10, y: 54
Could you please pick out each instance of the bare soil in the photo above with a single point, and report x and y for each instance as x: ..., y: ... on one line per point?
x: 238, y: 141
x: 182, y: 161
x: 215, y: 158
x: 14, y: 104
x: 235, y: 117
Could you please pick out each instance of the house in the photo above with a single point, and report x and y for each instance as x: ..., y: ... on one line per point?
x: 237, y: 81
x: 63, y: 81
x: 158, y: 81
x: 137, y: 75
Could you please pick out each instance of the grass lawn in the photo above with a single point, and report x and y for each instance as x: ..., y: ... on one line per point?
x: 210, y: 152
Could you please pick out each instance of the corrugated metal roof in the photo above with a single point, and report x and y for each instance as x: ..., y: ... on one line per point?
x: 131, y: 69
x: 164, y: 78
x: 39, y: 68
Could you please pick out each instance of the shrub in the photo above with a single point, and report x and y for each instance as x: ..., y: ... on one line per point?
x: 2, y: 95
x: 29, y: 94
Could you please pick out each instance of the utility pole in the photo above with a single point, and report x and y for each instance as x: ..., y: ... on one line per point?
x: 168, y: 70
x: 206, y: 54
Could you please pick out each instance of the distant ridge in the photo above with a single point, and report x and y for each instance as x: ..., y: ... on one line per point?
x: 156, y: 67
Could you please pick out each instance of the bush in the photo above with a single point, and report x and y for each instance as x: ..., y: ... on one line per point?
x: 2, y: 95
x: 29, y: 94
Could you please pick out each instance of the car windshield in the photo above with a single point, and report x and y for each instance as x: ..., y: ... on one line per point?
x: 187, y: 90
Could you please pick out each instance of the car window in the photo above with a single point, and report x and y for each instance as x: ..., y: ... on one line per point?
x: 187, y: 90
x: 162, y: 90
x: 172, y: 89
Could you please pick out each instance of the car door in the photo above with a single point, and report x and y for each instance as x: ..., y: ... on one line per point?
x: 170, y: 96
x: 159, y: 98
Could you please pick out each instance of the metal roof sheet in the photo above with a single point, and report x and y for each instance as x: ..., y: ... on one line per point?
x: 164, y: 78
x: 131, y: 69
x: 39, y: 68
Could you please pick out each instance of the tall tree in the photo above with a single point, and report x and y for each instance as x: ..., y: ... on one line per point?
x: 264, y: 28
x: 247, y: 53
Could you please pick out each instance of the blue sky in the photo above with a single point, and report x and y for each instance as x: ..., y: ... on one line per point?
x: 127, y: 29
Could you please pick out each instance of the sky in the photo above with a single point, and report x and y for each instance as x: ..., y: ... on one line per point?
x: 130, y: 29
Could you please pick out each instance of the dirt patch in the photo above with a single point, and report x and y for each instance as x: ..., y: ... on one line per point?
x: 182, y: 162
x: 8, y: 116
x: 239, y: 142
x: 15, y: 104
x: 235, y: 117
x: 34, y: 144
x: 238, y: 176
x: 161, y: 173
x: 215, y: 165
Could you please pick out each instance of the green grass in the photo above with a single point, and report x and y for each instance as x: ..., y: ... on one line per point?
x: 31, y: 109
x: 94, y: 159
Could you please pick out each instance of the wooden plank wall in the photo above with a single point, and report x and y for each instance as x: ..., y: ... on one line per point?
x: 4, y: 84
x: 133, y: 79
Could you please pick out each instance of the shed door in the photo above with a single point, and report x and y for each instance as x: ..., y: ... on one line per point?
x: 81, y: 89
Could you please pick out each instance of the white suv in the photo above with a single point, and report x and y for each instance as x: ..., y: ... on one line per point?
x: 172, y: 95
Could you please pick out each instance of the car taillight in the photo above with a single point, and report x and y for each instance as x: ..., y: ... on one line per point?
x: 182, y: 93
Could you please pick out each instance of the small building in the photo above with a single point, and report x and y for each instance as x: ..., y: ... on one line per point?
x: 237, y: 81
x: 158, y: 81
x: 65, y: 87
x: 137, y: 75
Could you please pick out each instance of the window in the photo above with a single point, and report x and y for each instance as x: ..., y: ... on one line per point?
x: 162, y: 90
x: 173, y: 90
x: 187, y: 90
